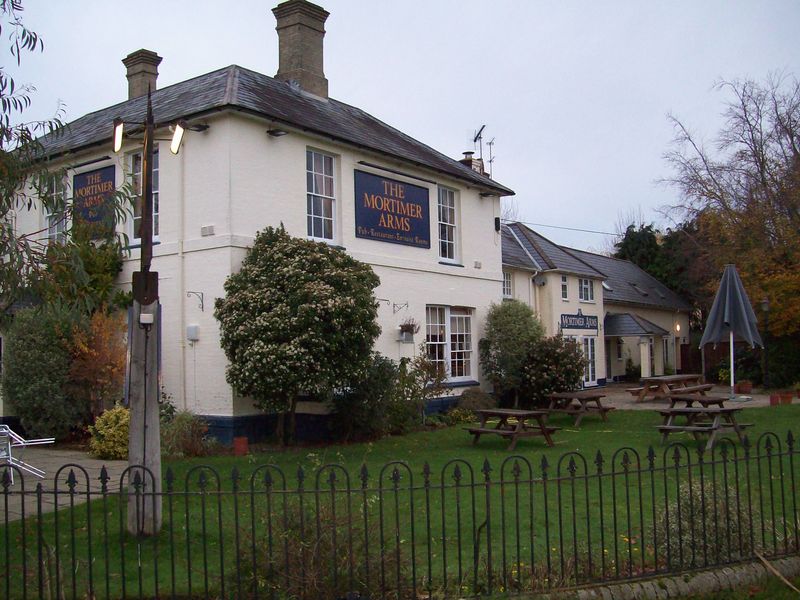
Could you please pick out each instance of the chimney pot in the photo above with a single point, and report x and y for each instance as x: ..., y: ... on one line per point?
x: 301, y: 29
x: 142, y: 73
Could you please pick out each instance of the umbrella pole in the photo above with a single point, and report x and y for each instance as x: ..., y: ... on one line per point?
x: 731, y: 349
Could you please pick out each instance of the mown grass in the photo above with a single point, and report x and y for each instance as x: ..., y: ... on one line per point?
x: 532, y: 533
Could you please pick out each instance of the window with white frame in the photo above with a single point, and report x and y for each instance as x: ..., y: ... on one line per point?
x: 447, y: 224
x: 586, y: 290
x: 55, y: 216
x: 564, y: 288
x: 665, y: 345
x: 320, y: 196
x: 448, y: 339
x: 619, y: 348
x: 136, y: 182
x: 508, y: 285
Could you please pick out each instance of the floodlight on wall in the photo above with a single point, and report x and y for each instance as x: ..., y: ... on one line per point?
x: 177, y: 134
x: 275, y: 132
x: 177, y: 137
x: 678, y: 327
x: 119, y: 127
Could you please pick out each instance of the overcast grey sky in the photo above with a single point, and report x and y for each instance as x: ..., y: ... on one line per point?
x: 575, y: 94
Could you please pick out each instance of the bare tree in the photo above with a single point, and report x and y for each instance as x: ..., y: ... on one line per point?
x: 745, y: 188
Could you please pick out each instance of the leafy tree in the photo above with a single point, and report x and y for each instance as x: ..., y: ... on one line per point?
x: 745, y: 191
x: 640, y: 245
x: 36, y: 370
x: 511, y: 328
x: 29, y: 180
x: 97, y: 369
x: 299, y: 316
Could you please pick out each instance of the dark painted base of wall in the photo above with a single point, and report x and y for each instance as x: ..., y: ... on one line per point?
x: 308, y: 428
x: 14, y: 423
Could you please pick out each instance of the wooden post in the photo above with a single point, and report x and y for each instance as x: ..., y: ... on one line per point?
x: 144, y: 441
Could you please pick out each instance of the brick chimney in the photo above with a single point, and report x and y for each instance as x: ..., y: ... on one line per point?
x: 476, y: 164
x: 142, y: 72
x: 301, y: 28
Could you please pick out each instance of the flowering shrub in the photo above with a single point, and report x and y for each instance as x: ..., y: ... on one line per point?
x: 298, y: 316
x: 553, y: 364
x: 110, y: 434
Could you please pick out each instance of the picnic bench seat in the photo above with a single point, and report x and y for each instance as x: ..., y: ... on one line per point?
x: 706, y: 420
x: 524, y: 423
x: 701, y: 388
x: 635, y: 391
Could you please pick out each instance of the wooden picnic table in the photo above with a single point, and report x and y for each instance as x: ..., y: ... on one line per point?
x: 700, y: 421
x: 513, y: 423
x: 579, y: 403
x: 662, y: 386
x: 689, y: 400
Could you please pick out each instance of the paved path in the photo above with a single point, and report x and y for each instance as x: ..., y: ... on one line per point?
x: 51, y: 460
x: 617, y: 397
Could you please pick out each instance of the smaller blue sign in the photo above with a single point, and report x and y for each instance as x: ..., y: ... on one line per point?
x: 579, y: 321
x: 391, y: 211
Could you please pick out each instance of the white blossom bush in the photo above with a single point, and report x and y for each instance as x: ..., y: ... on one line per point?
x: 300, y: 316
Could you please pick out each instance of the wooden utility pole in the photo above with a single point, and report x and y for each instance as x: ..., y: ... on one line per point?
x: 144, y: 441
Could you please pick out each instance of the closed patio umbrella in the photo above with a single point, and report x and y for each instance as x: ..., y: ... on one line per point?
x: 731, y: 316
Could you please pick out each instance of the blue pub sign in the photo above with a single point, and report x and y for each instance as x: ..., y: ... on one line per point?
x: 579, y: 321
x: 90, y: 194
x: 392, y: 211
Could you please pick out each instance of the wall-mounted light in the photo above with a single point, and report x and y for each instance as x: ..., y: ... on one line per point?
x: 678, y: 327
x: 177, y: 134
x: 119, y: 127
x: 275, y: 132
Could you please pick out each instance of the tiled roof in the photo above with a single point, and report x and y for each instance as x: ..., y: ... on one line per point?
x: 551, y: 256
x: 623, y: 281
x: 236, y: 88
x: 629, y: 325
x: 627, y: 283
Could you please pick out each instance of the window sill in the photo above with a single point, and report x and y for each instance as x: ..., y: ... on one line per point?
x: 565, y: 299
x: 587, y: 301
x: 450, y: 264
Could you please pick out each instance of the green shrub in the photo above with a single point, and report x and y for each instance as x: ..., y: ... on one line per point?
x: 362, y: 410
x: 461, y: 415
x: 184, y: 436
x: 511, y: 328
x: 721, y: 525
x: 36, y: 369
x: 419, y: 380
x: 474, y: 399
x: 553, y: 364
x: 109, y: 433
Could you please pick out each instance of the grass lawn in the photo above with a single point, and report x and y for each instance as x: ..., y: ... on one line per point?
x: 521, y: 528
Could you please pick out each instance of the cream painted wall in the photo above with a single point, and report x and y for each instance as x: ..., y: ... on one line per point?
x: 239, y: 180
x: 667, y: 320
x: 546, y: 302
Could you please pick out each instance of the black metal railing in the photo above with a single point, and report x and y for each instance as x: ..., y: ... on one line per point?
x: 461, y: 530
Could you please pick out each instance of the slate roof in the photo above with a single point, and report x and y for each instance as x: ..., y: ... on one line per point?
x: 632, y: 285
x: 623, y: 281
x: 236, y: 88
x: 549, y: 255
x: 629, y: 325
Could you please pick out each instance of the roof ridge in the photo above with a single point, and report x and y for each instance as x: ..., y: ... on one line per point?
x: 524, y: 230
x: 524, y: 249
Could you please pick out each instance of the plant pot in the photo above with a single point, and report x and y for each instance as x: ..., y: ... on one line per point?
x: 774, y: 399
x: 744, y: 387
x: 240, y: 446
x: 786, y: 397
